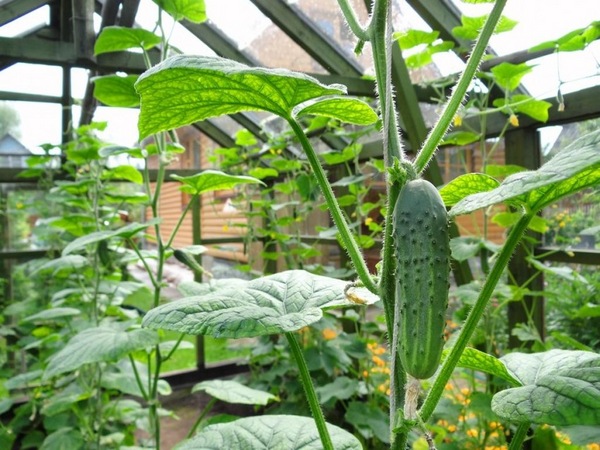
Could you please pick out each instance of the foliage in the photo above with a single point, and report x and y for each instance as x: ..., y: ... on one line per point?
x: 9, y: 120
x: 94, y: 362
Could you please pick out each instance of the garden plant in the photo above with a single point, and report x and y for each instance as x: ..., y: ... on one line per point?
x: 297, y: 312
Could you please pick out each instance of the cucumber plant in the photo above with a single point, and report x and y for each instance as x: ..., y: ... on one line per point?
x: 284, y: 303
x: 200, y: 79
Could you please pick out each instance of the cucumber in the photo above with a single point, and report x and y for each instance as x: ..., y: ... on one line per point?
x: 188, y: 259
x: 423, y: 270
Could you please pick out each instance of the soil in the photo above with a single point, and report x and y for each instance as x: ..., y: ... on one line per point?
x: 187, y: 407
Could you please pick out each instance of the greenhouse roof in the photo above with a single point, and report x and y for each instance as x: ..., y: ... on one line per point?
x: 303, y: 35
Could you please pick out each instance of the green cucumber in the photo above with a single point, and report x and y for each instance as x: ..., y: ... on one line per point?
x: 422, y: 274
x: 188, y: 259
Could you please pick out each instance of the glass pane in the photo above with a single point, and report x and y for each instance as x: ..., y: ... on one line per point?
x: 259, y: 37
x: 180, y: 38
x: 329, y: 19
x: 35, y: 123
x: 559, y: 18
x: 27, y: 23
x: 32, y: 79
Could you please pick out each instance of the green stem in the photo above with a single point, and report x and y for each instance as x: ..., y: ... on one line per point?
x: 201, y: 417
x: 352, y: 20
x: 175, y: 347
x: 347, y: 239
x: 458, y: 95
x: 475, y: 314
x: 309, y: 389
x: 380, y: 33
x: 180, y: 221
x: 138, y: 379
x: 147, y: 268
x: 518, y: 438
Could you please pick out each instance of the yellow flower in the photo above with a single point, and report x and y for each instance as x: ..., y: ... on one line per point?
x: 593, y: 446
x: 451, y: 428
x: 514, y: 120
x: 494, y: 425
x: 457, y: 121
x: 562, y: 224
x: 378, y: 361
x: 472, y: 432
x: 329, y: 334
x: 563, y: 438
x: 465, y: 391
x: 368, y: 221
x: 225, y: 227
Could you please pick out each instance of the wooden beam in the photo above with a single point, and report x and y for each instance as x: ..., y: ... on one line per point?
x: 23, y: 97
x: 573, y: 256
x: 580, y: 105
x: 522, y: 148
x: 14, y: 9
x: 293, y: 22
x: 129, y: 10
x: 215, y: 133
x: 37, y: 51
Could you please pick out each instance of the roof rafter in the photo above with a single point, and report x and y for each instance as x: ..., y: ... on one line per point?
x: 14, y: 9
x: 293, y: 22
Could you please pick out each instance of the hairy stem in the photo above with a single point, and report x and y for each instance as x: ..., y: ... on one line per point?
x: 518, y: 438
x: 348, y: 240
x: 458, y: 94
x: 352, y: 20
x: 309, y: 389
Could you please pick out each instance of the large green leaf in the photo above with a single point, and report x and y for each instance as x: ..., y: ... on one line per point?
x: 525, y: 104
x: 575, y: 168
x: 193, y: 288
x: 212, y: 180
x: 126, y: 232
x: 186, y: 89
x: 509, y: 75
x: 116, y: 90
x: 278, y: 303
x: 117, y: 39
x: 465, y: 185
x: 64, y: 439
x: 23, y: 380
x: 64, y: 266
x: 123, y: 173
x: 96, y: 345
x: 351, y: 110
x: 413, y: 38
x: 192, y: 10
x: 53, y: 314
x: 572, y: 41
x: 125, y: 380
x: 341, y: 388
x: 471, y: 26
x: 233, y: 392
x: 369, y: 419
x: 478, y: 360
x: 560, y: 388
x: 276, y: 432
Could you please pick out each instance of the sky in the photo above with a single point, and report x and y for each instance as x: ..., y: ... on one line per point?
x: 539, y: 20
